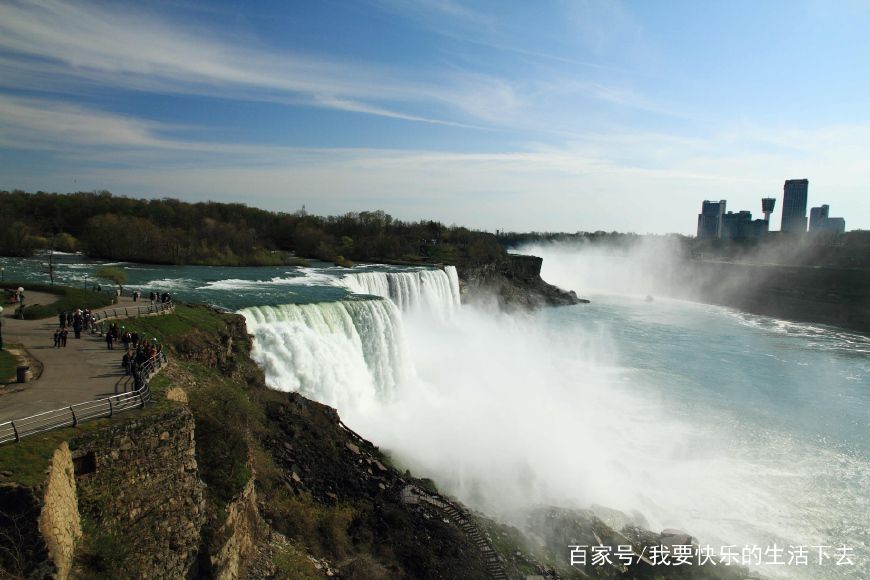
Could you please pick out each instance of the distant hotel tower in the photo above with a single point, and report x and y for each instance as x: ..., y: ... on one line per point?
x: 794, y: 205
x: 820, y: 221
x: 710, y: 220
x: 767, y: 204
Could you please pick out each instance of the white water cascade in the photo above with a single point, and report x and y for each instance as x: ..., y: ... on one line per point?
x: 350, y: 353
x: 584, y: 405
x: 435, y: 292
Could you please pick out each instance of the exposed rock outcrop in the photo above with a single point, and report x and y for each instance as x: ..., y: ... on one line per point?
x: 243, y: 530
x: 59, y: 521
x: 515, y: 283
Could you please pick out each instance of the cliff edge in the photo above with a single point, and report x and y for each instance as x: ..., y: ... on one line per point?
x: 515, y: 282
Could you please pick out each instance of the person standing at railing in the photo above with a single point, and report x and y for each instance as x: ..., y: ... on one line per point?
x: 138, y: 381
x: 127, y: 362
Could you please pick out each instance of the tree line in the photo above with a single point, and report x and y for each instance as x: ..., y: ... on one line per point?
x: 170, y: 231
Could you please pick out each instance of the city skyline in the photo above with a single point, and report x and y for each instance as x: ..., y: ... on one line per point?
x: 483, y: 114
x: 716, y: 221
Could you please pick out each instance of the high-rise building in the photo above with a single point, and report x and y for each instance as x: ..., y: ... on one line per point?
x: 820, y: 221
x: 794, y: 206
x: 741, y: 226
x: 818, y: 215
x: 710, y: 220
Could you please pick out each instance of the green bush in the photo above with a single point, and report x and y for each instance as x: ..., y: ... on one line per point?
x: 291, y: 563
x: 7, y: 366
x: 104, y: 554
x: 223, y: 415
x: 113, y: 274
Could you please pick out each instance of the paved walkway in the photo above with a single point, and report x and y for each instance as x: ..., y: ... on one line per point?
x: 83, y: 371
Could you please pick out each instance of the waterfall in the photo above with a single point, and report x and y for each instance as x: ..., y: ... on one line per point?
x: 346, y: 353
x: 432, y: 291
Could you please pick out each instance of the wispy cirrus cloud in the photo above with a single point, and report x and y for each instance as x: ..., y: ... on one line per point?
x: 49, y: 43
x: 56, y: 46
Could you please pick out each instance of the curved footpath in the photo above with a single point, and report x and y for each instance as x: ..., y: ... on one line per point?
x: 83, y: 371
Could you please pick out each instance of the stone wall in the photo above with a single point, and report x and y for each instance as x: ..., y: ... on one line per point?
x: 59, y: 520
x: 139, y: 490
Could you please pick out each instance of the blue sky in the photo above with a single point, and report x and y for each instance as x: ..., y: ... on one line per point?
x: 550, y: 115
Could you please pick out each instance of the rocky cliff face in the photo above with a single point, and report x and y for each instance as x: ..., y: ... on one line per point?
x: 835, y: 296
x: 514, y: 283
x: 124, y: 498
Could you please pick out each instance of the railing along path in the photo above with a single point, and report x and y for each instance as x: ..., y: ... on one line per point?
x: 73, y: 415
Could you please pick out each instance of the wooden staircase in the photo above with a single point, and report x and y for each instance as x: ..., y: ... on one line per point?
x: 456, y: 514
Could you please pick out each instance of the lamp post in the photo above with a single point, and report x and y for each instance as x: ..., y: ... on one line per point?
x: 1, y: 326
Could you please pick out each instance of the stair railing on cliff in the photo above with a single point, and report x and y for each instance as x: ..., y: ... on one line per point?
x: 457, y: 514
x: 73, y: 415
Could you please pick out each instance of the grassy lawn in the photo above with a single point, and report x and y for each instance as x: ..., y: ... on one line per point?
x: 168, y: 326
x: 7, y: 366
x: 28, y: 459
x: 68, y: 299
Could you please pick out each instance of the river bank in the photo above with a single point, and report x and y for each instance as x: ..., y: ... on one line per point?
x: 833, y: 296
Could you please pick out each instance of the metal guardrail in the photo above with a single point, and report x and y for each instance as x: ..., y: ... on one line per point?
x: 79, y: 413
x: 137, y: 311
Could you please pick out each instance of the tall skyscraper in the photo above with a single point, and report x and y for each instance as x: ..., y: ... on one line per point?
x: 710, y: 220
x: 794, y: 206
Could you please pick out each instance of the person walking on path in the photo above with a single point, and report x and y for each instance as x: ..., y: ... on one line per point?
x: 63, y: 336
x: 62, y: 319
x: 57, y: 338
x: 110, y: 339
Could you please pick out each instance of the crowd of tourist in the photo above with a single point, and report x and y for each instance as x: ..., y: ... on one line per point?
x: 77, y: 320
x: 138, y: 349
